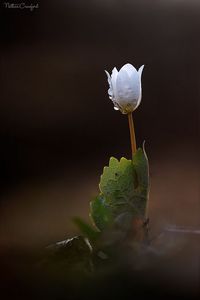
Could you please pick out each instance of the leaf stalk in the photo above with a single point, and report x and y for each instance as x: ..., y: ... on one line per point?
x: 132, y: 133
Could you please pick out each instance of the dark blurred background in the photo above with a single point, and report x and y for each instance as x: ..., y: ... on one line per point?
x: 58, y: 127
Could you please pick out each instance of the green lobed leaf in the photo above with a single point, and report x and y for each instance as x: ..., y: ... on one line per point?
x: 117, y: 184
x: 100, y: 212
x: 124, y: 187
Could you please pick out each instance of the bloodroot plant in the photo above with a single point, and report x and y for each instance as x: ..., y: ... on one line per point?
x: 119, y: 218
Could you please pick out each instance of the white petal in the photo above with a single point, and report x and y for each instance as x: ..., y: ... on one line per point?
x: 109, y: 78
x: 113, y: 80
x: 136, y: 84
x: 129, y: 69
x: 124, y: 88
x: 140, y: 71
x: 140, y: 75
x: 110, y: 93
x: 110, y: 90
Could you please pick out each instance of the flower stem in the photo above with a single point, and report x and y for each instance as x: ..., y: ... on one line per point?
x: 132, y: 133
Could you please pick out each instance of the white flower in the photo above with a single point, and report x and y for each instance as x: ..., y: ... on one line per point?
x: 125, y: 88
